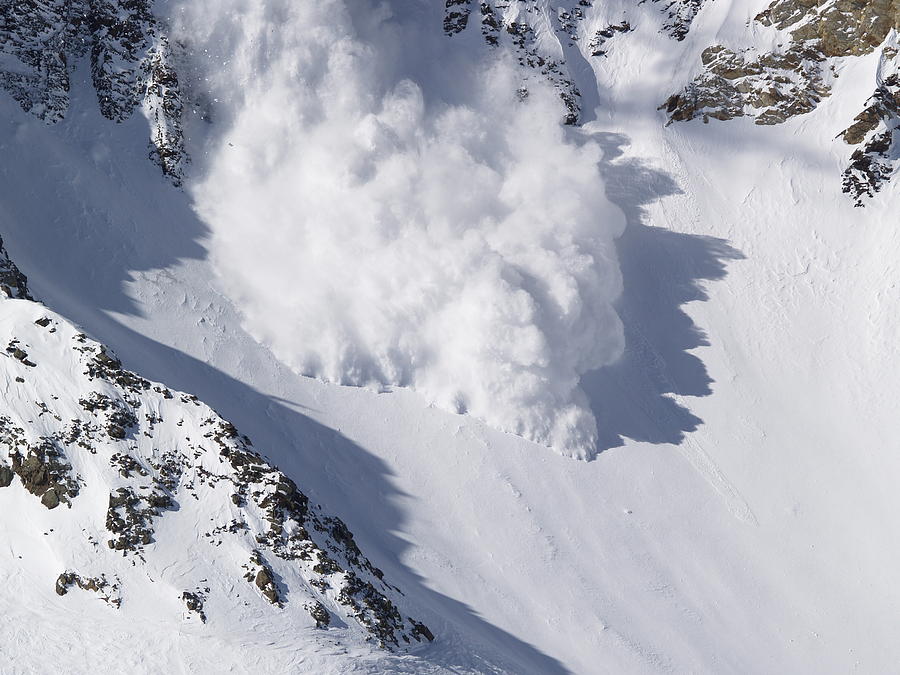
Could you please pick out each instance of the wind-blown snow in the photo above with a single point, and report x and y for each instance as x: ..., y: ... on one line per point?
x: 376, y: 232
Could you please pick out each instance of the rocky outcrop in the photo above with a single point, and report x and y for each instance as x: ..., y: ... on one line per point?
x: 773, y: 87
x: 81, y: 423
x: 837, y: 27
x: 105, y: 590
x: 679, y: 15
x: 876, y: 134
x: 597, y: 44
x: 456, y: 16
x: 194, y: 602
x: 546, y: 37
x: 42, y: 41
x: 13, y: 283
x: 525, y: 27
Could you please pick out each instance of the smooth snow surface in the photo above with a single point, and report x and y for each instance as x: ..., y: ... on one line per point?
x: 376, y: 229
x: 743, y: 516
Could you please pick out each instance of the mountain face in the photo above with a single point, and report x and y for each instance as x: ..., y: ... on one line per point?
x: 138, y: 477
x: 768, y: 85
x: 130, y: 65
x: 793, y: 79
x: 658, y: 236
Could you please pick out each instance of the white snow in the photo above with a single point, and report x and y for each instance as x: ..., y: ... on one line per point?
x: 742, y: 518
x: 373, y: 231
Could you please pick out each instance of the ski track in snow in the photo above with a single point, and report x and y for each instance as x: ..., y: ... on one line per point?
x: 691, y: 448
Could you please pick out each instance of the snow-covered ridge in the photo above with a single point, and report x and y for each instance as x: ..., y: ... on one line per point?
x: 156, y: 503
x: 559, y: 40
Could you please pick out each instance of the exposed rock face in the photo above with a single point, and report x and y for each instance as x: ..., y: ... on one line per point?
x: 876, y: 130
x: 106, y: 590
x: 13, y: 283
x: 193, y: 602
x: 545, y: 37
x: 124, y: 454
x: 770, y: 87
x: 598, y: 41
x: 679, y: 16
x: 839, y: 27
x: 775, y: 86
x: 456, y: 18
x: 130, y: 62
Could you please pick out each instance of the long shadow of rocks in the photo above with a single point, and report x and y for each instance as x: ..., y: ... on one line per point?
x: 662, y: 271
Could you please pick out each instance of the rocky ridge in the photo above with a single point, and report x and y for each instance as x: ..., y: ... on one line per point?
x: 547, y: 39
x: 876, y: 133
x: 774, y: 86
x: 115, y: 457
x: 130, y: 59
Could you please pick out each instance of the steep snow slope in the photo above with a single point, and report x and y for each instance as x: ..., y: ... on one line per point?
x: 149, y: 501
x: 740, y: 517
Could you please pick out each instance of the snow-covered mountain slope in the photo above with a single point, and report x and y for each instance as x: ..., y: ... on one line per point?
x: 739, y: 518
x: 145, y: 499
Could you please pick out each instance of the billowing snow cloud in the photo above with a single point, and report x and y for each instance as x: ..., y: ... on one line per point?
x: 386, y: 209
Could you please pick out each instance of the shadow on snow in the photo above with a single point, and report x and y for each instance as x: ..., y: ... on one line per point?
x: 662, y: 270
x: 110, y: 216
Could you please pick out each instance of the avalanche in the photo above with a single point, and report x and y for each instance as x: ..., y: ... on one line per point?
x: 378, y: 228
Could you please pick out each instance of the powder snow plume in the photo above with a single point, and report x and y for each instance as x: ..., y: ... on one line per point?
x: 388, y: 209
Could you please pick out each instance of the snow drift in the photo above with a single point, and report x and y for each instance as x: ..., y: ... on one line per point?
x: 387, y: 210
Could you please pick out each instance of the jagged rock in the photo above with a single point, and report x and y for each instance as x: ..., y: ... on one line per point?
x: 19, y: 354
x: 260, y: 573
x: 43, y: 40
x: 596, y: 45
x: 130, y: 517
x: 680, y: 15
x: 877, y: 130
x: 42, y: 469
x: 456, y: 17
x: 517, y: 26
x: 775, y: 86
x: 164, y: 107
x: 13, y: 284
x: 839, y: 27
x: 771, y: 88
x: 320, y: 614
x: 107, y: 591
x: 193, y: 601
x: 50, y: 498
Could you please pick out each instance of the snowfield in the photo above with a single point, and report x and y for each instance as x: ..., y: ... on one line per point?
x: 738, y: 511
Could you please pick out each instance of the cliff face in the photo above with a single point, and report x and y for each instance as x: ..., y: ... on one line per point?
x: 132, y: 64
x: 551, y: 40
x: 130, y: 61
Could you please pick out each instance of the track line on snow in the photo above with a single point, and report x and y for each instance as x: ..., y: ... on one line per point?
x: 689, y: 448
x: 706, y: 467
